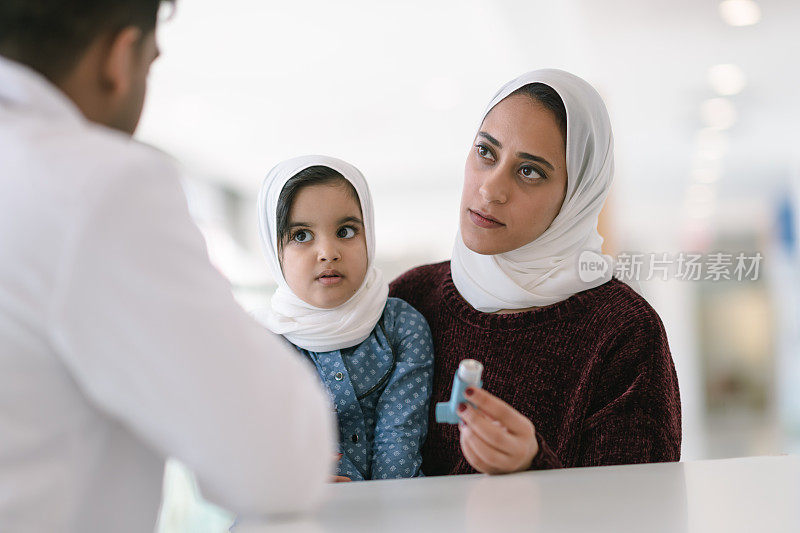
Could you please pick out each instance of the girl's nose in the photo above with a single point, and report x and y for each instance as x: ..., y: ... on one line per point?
x: 328, y: 250
x: 494, y: 188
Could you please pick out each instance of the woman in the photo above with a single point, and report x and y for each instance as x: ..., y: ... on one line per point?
x: 577, y: 372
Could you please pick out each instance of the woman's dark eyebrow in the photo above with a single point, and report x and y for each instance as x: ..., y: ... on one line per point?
x: 354, y: 220
x: 299, y: 225
x: 535, y: 158
x: 490, y: 138
x: 523, y: 155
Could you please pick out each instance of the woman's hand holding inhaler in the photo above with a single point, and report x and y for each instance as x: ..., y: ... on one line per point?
x: 495, y: 437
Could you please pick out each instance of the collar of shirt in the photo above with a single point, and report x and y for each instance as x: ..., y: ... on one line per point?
x: 21, y: 87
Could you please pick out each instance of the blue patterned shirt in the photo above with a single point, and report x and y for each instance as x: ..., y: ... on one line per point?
x: 382, y: 410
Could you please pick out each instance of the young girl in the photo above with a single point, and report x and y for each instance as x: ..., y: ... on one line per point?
x: 374, y: 354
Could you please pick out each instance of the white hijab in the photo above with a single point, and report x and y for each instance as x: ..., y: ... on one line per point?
x: 306, y: 326
x: 545, y: 271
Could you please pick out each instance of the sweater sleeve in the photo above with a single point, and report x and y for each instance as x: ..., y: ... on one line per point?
x: 402, y: 410
x: 546, y: 459
x: 634, y: 413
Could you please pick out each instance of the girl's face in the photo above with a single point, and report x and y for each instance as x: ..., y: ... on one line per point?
x: 515, y: 179
x: 324, y: 258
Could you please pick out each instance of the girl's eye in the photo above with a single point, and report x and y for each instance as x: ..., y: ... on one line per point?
x: 484, y: 152
x: 529, y: 172
x: 346, y: 232
x: 302, y: 236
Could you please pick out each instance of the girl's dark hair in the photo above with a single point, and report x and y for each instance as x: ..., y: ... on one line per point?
x: 549, y: 98
x: 316, y: 175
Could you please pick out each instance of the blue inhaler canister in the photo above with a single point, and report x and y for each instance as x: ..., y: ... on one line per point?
x: 468, y: 375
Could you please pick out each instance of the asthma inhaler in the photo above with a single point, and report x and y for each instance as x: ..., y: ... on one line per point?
x: 468, y: 375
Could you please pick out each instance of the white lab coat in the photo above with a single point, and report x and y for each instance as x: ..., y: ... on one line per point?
x: 120, y: 344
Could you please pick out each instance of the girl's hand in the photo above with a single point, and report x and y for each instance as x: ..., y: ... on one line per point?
x: 495, y: 437
x: 339, y: 479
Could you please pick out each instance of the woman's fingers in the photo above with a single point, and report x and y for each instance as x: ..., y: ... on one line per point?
x: 496, y: 408
x: 492, y: 431
x: 498, y: 437
x: 480, y: 455
x: 469, y: 453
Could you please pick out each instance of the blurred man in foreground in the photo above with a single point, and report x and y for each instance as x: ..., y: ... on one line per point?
x: 119, y: 343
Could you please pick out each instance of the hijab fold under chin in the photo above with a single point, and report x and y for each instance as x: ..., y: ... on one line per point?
x: 304, y: 325
x: 546, y: 270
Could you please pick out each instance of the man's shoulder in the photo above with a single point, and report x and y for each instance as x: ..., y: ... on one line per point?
x: 115, y: 155
x: 83, y: 154
x: 53, y: 178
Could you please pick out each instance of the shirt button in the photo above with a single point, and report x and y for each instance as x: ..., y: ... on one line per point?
x: 354, y: 438
x: 338, y: 376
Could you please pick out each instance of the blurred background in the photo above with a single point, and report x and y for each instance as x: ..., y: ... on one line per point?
x: 702, y: 96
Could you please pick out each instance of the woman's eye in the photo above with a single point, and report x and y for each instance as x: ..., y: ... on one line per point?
x: 346, y: 232
x: 302, y: 236
x: 483, y: 152
x: 530, y: 173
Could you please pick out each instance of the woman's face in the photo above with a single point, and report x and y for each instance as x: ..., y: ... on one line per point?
x: 515, y: 179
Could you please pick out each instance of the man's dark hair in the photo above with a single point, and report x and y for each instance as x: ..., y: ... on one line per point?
x: 550, y: 99
x: 316, y: 175
x: 50, y: 36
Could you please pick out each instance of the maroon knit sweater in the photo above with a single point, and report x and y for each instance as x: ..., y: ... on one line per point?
x: 593, y: 373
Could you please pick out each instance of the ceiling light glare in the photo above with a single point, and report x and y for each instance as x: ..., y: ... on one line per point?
x: 718, y: 113
x: 726, y: 79
x: 740, y: 12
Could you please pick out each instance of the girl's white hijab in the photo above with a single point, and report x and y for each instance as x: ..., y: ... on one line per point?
x: 546, y: 270
x: 313, y: 328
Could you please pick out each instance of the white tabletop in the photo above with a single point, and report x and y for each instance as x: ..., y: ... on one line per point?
x: 730, y: 495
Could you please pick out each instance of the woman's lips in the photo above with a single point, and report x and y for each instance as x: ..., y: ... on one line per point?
x: 483, y: 220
